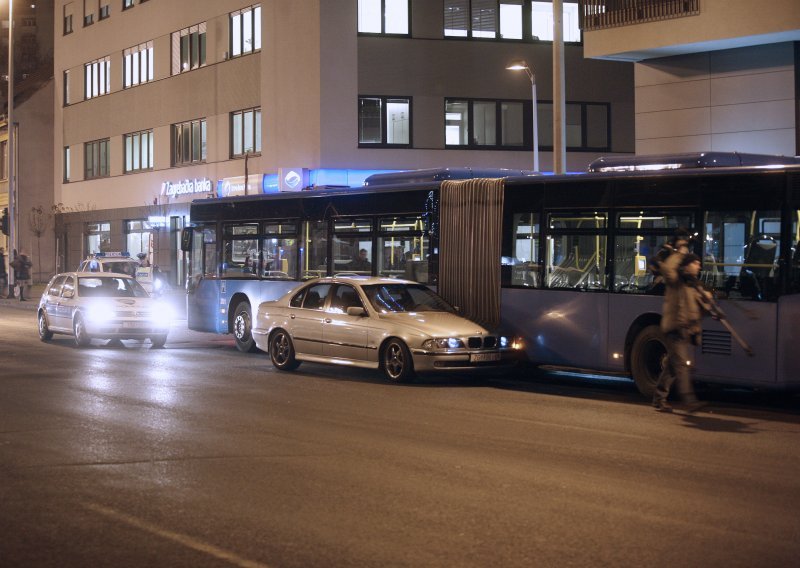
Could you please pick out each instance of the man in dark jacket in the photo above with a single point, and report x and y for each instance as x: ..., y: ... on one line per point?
x: 684, y: 304
x: 3, y: 274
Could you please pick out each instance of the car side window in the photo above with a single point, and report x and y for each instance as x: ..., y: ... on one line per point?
x: 344, y: 297
x: 297, y: 300
x: 68, y: 290
x: 55, y: 286
x: 315, y: 297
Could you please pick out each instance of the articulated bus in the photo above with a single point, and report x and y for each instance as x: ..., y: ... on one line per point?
x: 561, y: 262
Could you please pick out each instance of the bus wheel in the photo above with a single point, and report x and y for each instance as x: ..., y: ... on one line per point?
x: 281, y: 351
x: 396, y: 362
x: 648, y: 357
x: 243, y: 328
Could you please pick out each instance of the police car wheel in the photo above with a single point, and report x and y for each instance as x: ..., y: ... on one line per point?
x: 44, y: 330
x: 82, y: 337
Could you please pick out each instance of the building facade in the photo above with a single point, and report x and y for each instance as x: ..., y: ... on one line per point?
x: 161, y: 102
x: 710, y: 75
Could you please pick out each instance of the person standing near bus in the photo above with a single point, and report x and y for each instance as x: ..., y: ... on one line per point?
x: 3, y: 274
x: 684, y: 304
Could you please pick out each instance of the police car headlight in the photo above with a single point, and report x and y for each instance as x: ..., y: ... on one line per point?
x: 157, y: 284
x: 162, y: 314
x: 100, y: 313
x: 443, y: 343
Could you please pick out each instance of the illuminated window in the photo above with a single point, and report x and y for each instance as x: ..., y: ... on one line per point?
x: 97, y: 75
x: 246, y: 31
x: 96, y: 159
x: 487, y: 123
x: 508, y: 19
x: 138, y: 63
x: 245, y: 132
x: 138, y: 151
x: 383, y: 17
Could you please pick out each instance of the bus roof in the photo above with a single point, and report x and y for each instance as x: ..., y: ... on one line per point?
x: 687, y: 161
x: 442, y: 174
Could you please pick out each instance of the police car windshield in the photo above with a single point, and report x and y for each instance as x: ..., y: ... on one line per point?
x: 124, y: 267
x: 110, y: 287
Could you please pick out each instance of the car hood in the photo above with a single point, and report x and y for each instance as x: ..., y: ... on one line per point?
x: 436, y: 324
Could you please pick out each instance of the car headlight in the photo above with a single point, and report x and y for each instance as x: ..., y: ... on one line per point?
x: 443, y: 343
x: 162, y: 314
x: 100, y: 313
x: 504, y: 342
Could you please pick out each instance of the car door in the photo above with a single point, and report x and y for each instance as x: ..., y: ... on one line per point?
x: 345, y: 336
x: 306, y: 321
x: 51, y: 301
x: 66, y: 302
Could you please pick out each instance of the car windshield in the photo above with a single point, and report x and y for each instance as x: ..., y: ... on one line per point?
x: 110, y: 287
x: 121, y: 266
x: 388, y: 298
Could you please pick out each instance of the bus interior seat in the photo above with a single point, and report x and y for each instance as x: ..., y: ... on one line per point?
x: 755, y: 280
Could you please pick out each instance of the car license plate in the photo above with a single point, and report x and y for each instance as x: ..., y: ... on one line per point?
x: 483, y: 357
x: 131, y: 324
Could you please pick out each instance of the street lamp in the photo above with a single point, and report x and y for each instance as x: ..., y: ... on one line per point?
x: 523, y: 66
x: 12, y: 202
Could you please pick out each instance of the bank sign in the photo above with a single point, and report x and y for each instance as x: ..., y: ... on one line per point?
x: 186, y: 187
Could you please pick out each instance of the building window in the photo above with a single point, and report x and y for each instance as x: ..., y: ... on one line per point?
x: 246, y: 31
x: 68, y: 10
x: 384, y: 121
x: 138, y: 62
x: 138, y: 151
x: 97, y: 78
x: 3, y: 159
x: 66, y: 88
x: 98, y: 237
x: 245, y: 132
x: 487, y: 123
x: 508, y: 19
x: 67, y: 170
x: 105, y: 9
x: 383, y: 17
x: 189, y: 49
x: 88, y: 12
x: 586, y: 125
x: 189, y: 142
x: 96, y: 159
x: 127, y: 4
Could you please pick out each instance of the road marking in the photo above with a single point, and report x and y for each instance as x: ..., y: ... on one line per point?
x: 182, y: 539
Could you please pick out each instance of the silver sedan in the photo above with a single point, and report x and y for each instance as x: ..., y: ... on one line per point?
x: 378, y: 323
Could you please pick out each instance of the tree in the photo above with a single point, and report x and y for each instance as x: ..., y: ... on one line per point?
x: 39, y: 222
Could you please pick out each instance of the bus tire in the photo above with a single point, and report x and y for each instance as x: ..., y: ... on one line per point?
x: 396, y: 361
x: 243, y: 328
x: 281, y: 351
x: 648, y: 356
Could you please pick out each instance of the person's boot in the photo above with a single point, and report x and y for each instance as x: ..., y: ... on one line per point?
x: 662, y: 405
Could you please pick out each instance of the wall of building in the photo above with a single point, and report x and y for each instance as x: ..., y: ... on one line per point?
x: 731, y: 100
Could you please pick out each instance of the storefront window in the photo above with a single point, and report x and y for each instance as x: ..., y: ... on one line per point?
x: 98, y: 237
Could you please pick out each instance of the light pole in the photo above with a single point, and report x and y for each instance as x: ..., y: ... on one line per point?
x: 523, y: 66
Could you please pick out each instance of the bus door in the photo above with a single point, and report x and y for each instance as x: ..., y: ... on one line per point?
x: 202, y: 283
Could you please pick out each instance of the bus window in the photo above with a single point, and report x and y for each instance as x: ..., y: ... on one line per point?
x: 279, y: 251
x: 240, y: 251
x: 404, y: 250
x: 741, y: 253
x: 203, y: 253
x: 352, y: 246
x: 314, y: 253
x: 576, y: 251
x: 525, y: 263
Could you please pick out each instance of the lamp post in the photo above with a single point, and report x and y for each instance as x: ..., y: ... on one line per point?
x: 12, y: 202
x: 523, y: 66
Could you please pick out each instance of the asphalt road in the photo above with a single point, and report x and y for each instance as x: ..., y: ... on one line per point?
x: 197, y: 455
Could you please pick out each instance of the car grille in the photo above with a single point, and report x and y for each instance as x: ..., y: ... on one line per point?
x: 488, y: 342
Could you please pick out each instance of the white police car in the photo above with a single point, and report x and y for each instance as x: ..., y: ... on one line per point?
x: 123, y: 263
x: 101, y: 305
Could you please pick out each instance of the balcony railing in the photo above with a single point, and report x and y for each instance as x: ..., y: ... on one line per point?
x: 601, y: 14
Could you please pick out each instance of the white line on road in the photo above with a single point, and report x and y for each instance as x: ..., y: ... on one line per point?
x: 183, y: 539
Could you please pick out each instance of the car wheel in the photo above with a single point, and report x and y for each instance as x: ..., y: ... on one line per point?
x: 648, y: 357
x: 243, y: 328
x: 281, y: 351
x: 82, y: 337
x: 396, y: 361
x: 158, y: 341
x: 44, y: 330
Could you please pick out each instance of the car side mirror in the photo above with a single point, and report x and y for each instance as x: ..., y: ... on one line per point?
x: 356, y: 311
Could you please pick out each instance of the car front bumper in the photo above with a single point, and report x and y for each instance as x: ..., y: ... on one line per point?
x: 462, y: 360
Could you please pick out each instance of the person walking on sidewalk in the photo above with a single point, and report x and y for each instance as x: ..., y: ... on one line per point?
x: 3, y: 274
x: 684, y: 304
x: 22, y: 271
